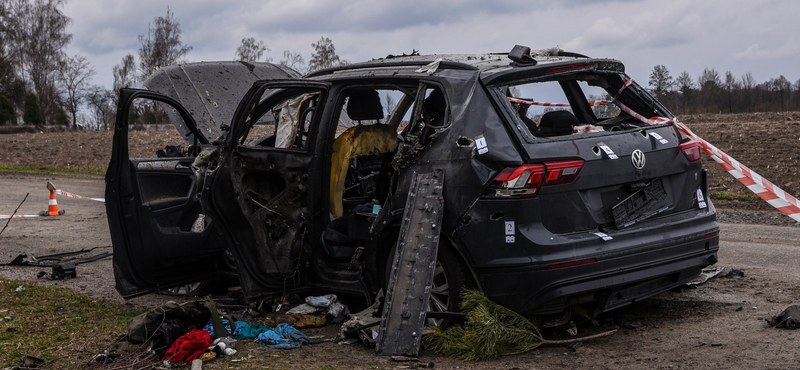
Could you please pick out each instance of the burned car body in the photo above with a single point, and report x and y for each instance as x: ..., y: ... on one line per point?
x: 307, y: 184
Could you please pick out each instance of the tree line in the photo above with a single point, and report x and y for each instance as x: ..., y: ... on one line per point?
x: 41, y: 84
x: 713, y: 92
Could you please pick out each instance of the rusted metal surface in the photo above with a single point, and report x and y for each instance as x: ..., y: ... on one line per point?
x: 412, y: 271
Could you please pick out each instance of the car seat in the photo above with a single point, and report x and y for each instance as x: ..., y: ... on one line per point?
x: 556, y: 123
x: 358, y: 140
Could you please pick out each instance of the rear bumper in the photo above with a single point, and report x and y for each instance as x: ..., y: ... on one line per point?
x: 611, y: 283
x: 636, y: 263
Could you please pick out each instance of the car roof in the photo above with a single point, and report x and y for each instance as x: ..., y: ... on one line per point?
x: 491, y: 66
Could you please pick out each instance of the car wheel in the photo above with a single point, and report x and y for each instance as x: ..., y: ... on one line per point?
x: 451, y: 275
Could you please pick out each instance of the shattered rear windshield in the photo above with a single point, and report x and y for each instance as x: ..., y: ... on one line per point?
x: 580, y: 103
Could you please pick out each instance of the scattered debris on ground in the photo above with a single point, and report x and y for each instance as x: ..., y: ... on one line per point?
x: 200, y: 330
x: 736, y: 274
x: 62, y: 264
x: 789, y: 318
x: 705, y: 274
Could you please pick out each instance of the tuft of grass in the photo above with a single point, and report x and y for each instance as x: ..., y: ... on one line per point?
x: 45, y: 169
x: 731, y: 196
x: 64, y: 327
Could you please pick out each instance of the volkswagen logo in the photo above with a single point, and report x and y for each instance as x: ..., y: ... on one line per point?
x: 638, y: 160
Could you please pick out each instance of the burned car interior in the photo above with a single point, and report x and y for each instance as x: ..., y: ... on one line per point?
x: 554, y: 170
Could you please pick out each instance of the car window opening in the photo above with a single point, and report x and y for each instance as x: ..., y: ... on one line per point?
x: 367, y: 138
x: 285, y: 124
x: 581, y: 104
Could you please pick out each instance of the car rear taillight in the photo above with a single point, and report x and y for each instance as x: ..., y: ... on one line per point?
x: 691, y: 151
x: 562, y: 172
x: 520, y: 182
x: 525, y: 181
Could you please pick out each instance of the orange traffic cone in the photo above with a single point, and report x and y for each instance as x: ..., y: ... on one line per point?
x: 52, y: 206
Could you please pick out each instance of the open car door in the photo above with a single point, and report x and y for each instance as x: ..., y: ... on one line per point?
x: 159, y: 235
x: 267, y: 192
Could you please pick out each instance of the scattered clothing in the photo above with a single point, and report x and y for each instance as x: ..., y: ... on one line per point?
x: 188, y: 347
x: 284, y: 336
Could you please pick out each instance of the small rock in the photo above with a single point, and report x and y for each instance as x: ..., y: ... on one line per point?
x: 20, y: 289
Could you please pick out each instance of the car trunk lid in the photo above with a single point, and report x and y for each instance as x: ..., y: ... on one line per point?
x: 626, y: 177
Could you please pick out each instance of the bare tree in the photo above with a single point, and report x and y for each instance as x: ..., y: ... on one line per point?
x: 390, y: 105
x: 711, y: 93
x: 102, y: 104
x: 796, y: 94
x: 294, y: 61
x: 251, y: 51
x: 748, y: 85
x: 35, y: 35
x: 731, y: 85
x: 324, y: 55
x: 660, y: 81
x: 162, y: 46
x: 125, y: 73
x: 685, y: 85
x: 783, y: 88
x: 709, y: 77
x: 74, y: 76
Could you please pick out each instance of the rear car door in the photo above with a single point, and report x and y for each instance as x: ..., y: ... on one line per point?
x: 267, y: 191
x: 160, y: 237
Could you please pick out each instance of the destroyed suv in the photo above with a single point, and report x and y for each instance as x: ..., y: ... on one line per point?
x: 564, y: 185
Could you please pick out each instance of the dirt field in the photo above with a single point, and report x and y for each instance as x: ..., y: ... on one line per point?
x: 719, y: 325
x: 768, y: 143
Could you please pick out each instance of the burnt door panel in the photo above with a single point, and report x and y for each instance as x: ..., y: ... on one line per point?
x: 159, y: 235
x: 266, y: 191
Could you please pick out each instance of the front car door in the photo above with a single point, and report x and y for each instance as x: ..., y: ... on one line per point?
x: 161, y: 236
x: 159, y: 233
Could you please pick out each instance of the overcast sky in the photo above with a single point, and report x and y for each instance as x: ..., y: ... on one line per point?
x: 757, y: 36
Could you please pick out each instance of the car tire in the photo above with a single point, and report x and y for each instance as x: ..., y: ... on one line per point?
x: 451, y: 276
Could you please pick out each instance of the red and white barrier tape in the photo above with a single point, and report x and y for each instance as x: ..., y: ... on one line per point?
x: 646, y: 121
x: 760, y: 186
x: 592, y: 103
x: 766, y: 190
x: 3, y: 217
x: 68, y: 194
x: 621, y: 89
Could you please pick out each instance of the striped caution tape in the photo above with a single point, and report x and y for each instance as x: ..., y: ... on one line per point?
x: 760, y: 186
x: 68, y: 194
x: 621, y: 89
x: 646, y: 121
x: 592, y: 103
x: 3, y: 217
x: 766, y: 190
x: 543, y: 104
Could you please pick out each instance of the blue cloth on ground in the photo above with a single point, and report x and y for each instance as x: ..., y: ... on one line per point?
x: 284, y: 336
x: 238, y: 324
x: 250, y: 330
